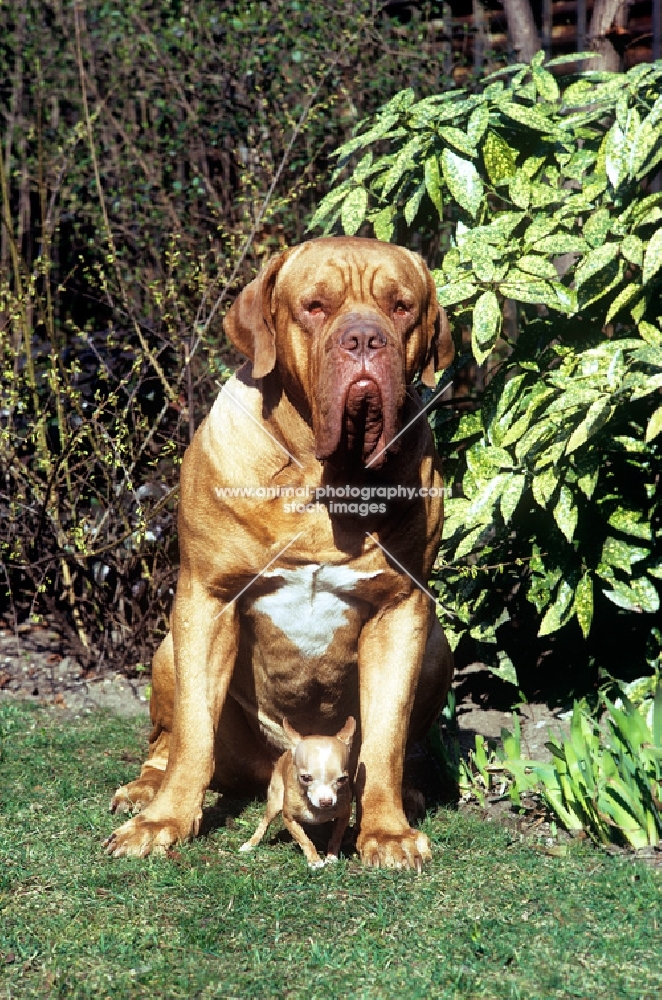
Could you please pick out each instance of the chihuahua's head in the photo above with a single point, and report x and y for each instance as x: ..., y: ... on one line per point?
x: 321, y: 764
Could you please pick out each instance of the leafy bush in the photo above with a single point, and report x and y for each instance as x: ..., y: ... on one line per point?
x: 606, y: 779
x: 538, y: 191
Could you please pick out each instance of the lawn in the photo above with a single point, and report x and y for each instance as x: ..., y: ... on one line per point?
x: 494, y: 916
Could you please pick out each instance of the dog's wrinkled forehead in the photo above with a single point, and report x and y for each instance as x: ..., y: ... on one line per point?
x: 371, y: 274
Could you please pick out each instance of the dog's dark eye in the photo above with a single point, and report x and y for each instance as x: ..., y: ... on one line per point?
x: 306, y: 778
x: 401, y: 309
x: 315, y: 308
x: 342, y: 780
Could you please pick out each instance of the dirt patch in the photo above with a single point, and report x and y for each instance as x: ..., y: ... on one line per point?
x: 485, y: 706
x: 33, y: 668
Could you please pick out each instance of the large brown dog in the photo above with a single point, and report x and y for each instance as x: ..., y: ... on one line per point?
x: 293, y: 604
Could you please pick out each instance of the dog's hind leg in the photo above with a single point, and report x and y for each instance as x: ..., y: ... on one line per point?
x: 137, y: 794
x: 433, y: 684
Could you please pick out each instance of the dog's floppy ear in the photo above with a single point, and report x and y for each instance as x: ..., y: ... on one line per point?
x: 347, y: 732
x: 249, y: 323
x: 291, y: 733
x: 441, y: 349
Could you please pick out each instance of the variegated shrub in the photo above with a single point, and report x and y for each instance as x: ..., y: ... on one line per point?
x: 539, y: 190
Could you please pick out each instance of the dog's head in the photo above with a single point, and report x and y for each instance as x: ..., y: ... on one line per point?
x: 321, y: 764
x: 347, y: 323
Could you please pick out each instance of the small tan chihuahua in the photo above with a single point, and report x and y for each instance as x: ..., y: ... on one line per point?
x: 311, y: 784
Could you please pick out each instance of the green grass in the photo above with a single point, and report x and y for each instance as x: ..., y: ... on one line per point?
x: 492, y: 916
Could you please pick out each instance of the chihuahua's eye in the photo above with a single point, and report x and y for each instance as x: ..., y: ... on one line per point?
x: 306, y: 778
x: 342, y: 780
x: 401, y: 309
x: 315, y: 308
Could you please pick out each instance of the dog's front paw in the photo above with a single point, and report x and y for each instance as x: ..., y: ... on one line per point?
x: 141, y: 836
x: 410, y: 849
x: 135, y: 796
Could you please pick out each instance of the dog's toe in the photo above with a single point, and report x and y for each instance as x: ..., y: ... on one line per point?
x: 137, y: 795
x: 140, y: 836
x: 410, y: 849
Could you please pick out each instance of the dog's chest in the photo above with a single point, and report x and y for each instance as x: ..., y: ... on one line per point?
x: 311, y: 604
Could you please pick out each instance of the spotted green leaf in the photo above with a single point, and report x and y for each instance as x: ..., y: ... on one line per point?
x: 618, y: 553
x: 412, y: 206
x: 354, y: 209
x: 595, y: 261
x: 498, y: 157
x: 455, y: 291
x: 463, y: 181
x: 433, y: 183
x: 597, y: 226
x: 383, y: 223
x: 623, y: 299
x: 539, y: 266
x: 653, y: 257
x: 558, y: 613
x: 561, y: 243
x: 615, y: 155
x: 328, y: 202
x: 583, y: 605
x: 402, y: 162
x: 520, y: 190
x: 469, y: 540
x: 632, y: 249
x: 531, y: 117
x: 546, y: 84
x: 529, y: 291
x: 511, y: 496
x: 383, y: 124
x: 477, y: 124
x: 598, y: 414
x: 645, y: 137
x: 654, y: 425
x: 456, y: 137
x: 630, y: 522
x: 543, y: 486
x: 653, y: 336
x: 638, y: 595
x: 565, y: 512
x: 486, y: 325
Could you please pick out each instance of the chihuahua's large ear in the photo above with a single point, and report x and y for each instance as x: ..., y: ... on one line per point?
x: 346, y: 734
x: 291, y: 733
x: 249, y: 323
x: 441, y: 349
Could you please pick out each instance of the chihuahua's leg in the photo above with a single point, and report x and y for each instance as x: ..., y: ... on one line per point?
x: 275, y: 797
x: 302, y: 839
x: 339, y: 826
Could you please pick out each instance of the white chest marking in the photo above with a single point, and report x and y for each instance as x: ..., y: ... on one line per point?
x: 311, y: 604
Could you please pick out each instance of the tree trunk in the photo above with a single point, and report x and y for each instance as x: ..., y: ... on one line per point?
x: 605, y: 12
x: 522, y: 28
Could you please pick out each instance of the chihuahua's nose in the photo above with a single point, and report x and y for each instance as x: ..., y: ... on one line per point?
x: 325, y: 802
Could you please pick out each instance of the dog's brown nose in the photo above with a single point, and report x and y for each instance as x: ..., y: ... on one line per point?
x: 362, y: 338
x: 325, y: 803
